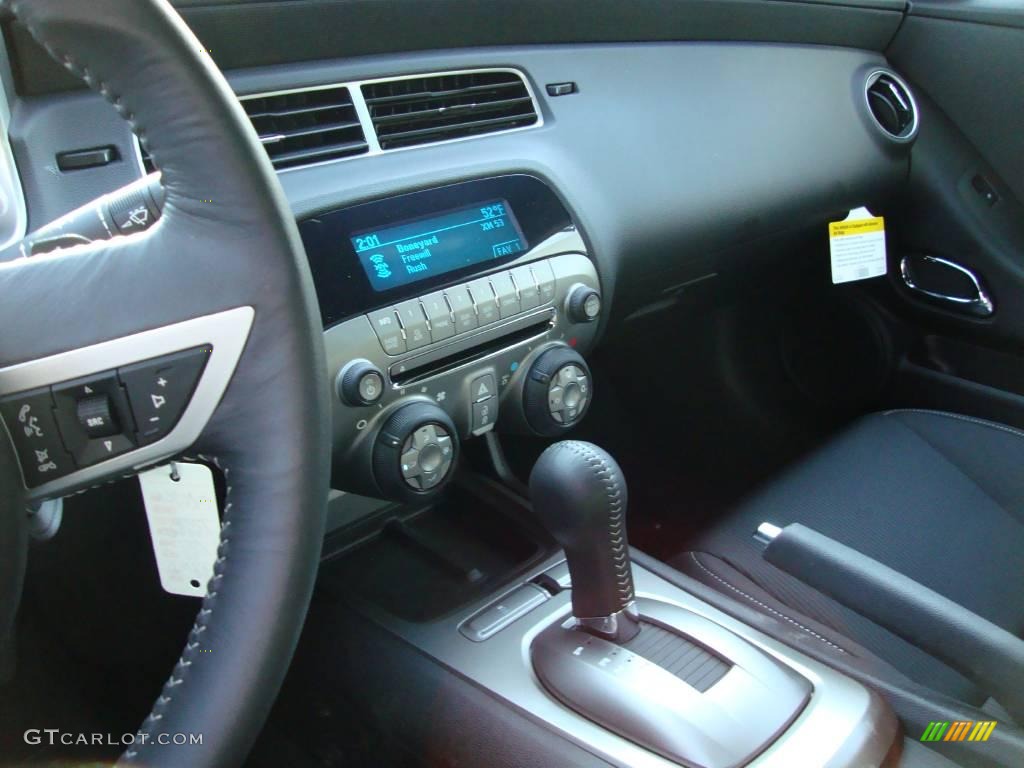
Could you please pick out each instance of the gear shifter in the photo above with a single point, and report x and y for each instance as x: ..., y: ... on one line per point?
x: 579, y: 493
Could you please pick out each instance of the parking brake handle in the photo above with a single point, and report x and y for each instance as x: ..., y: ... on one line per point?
x: 945, y: 630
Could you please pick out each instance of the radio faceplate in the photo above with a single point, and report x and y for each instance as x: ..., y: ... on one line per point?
x: 474, y: 376
x: 378, y: 253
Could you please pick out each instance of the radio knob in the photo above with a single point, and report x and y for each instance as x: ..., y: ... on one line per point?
x: 360, y: 383
x: 415, y: 453
x: 583, y: 304
x: 557, y: 391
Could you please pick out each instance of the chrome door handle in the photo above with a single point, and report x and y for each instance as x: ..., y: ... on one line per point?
x: 979, y: 305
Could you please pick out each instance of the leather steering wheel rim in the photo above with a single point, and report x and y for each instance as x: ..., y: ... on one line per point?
x: 226, y: 239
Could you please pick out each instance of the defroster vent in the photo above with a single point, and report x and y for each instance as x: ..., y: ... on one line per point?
x: 308, y: 126
x: 423, y: 110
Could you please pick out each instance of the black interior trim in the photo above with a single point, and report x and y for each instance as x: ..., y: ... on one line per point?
x: 249, y: 34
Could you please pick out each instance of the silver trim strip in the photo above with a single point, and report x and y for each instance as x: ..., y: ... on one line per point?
x: 980, y: 305
x: 10, y: 181
x: 225, y: 331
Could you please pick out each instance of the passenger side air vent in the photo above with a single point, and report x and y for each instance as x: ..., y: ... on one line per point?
x: 892, y: 105
x: 308, y: 126
x: 422, y: 110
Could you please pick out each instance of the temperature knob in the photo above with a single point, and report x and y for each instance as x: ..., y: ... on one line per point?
x: 415, y: 452
x: 557, y: 391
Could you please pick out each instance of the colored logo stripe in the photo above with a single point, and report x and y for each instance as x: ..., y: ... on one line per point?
x: 935, y: 731
x: 958, y: 730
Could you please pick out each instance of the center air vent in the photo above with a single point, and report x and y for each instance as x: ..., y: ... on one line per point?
x: 422, y: 110
x: 892, y: 105
x: 306, y: 127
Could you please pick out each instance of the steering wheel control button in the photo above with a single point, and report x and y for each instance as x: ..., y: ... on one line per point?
x: 96, y: 416
x: 508, y: 296
x: 360, y: 383
x: 415, y: 452
x: 103, y: 448
x: 389, y: 330
x: 414, y: 323
x: 483, y: 388
x: 160, y: 389
x: 485, y: 300
x: 583, y: 304
x: 439, y: 314
x: 557, y: 391
x: 31, y: 424
x: 75, y: 399
x: 462, y: 308
x: 526, y: 283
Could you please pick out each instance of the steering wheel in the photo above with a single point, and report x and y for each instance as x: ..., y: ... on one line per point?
x: 224, y: 263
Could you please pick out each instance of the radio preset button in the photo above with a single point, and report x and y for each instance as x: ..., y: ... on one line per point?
x: 414, y: 323
x: 545, y: 280
x: 439, y: 314
x: 529, y: 294
x: 485, y: 301
x: 508, y: 296
x: 388, y: 329
x: 462, y: 308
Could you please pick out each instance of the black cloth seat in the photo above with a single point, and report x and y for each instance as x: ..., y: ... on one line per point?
x: 936, y: 496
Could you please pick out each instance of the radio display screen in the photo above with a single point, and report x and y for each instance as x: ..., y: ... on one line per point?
x: 415, y: 250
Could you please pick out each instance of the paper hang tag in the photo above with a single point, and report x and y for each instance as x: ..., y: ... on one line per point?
x: 183, y: 525
x: 857, y: 246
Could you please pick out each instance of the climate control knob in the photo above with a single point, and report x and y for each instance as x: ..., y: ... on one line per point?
x: 415, y: 452
x: 360, y: 383
x: 557, y: 391
x: 582, y: 304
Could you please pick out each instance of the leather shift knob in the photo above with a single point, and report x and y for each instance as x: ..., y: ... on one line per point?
x: 579, y: 493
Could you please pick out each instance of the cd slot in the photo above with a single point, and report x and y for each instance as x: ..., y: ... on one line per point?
x: 472, y: 350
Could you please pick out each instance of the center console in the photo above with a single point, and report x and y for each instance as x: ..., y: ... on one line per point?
x: 447, y: 312
x: 454, y: 311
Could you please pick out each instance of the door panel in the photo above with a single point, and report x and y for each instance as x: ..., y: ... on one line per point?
x: 965, y: 61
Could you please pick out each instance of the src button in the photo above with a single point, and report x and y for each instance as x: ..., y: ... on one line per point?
x: 96, y: 416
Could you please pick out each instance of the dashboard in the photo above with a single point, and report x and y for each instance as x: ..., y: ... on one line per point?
x: 464, y: 271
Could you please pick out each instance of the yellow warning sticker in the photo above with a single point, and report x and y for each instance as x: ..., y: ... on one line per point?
x: 857, y: 246
x: 858, y: 227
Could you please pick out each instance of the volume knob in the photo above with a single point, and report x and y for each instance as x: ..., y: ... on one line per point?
x: 360, y: 383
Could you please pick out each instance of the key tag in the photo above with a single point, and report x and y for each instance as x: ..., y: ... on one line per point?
x: 181, y: 507
x: 857, y: 247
